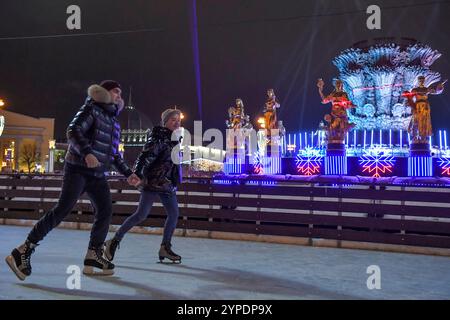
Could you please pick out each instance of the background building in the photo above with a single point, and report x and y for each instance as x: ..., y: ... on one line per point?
x: 24, y: 142
x: 135, y: 127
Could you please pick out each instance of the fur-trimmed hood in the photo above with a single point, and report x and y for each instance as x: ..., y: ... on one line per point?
x: 100, y: 95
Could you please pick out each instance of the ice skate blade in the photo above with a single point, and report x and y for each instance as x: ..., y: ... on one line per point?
x: 90, y: 271
x: 11, y: 263
x: 175, y: 261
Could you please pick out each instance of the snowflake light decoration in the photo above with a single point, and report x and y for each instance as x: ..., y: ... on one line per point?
x: 258, y: 167
x: 308, y: 165
x: 444, y: 163
x: 376, y: 163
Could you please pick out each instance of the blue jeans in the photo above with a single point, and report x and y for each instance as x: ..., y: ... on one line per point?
x: 169, y: 201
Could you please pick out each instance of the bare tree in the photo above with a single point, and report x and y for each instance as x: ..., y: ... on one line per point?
x: 29, y: 155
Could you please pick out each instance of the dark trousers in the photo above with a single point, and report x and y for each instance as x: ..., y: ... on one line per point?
x: 74, y: 185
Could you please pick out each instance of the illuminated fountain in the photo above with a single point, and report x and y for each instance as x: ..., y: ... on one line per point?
x: 379, y: 123
x: 374, y: 78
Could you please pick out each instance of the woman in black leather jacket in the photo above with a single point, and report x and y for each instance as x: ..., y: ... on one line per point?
x: 159, y: 178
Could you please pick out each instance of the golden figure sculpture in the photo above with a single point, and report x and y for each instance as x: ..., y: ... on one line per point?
x: 240, y: 126
x: 236, y: 115
x: 338, y: 124
x: 270, y: 111
x: 420, y: 127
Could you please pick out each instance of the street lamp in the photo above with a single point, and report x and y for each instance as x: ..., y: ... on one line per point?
x: 2, y: 103
x: 262, y: 123
x: 181, y: 113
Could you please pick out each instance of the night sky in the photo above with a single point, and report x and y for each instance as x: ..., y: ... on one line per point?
x: 245, y: 47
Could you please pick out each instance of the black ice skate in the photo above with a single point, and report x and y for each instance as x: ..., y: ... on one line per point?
x: 166, y: 252
x: 96, y: 265
x: 110, y: 248
x: 20, y: 260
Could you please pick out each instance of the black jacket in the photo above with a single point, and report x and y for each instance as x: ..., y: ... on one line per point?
x: 155, y: 166
x: 96, y: 130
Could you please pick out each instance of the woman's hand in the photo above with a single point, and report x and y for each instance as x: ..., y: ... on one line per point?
x: 91, y: 161
x: 133, y: 180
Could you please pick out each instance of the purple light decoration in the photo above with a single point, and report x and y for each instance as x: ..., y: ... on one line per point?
x: 445, y: 139
x: 401, y: 139
x: 222, y: 181
x: 261, y: 182
x: 371, y: 138
x: 364, y: 143
x: 336, y: 165
x: 196, y: 54
x: 233, y: 165
x: 420, y: 166
x: 390, y: 138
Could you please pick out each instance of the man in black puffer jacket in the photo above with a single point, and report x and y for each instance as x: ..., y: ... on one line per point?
x: 160, y: 176
x: 93, y: 137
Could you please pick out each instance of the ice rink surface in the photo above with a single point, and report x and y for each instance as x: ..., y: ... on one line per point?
x: 220, y: 269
